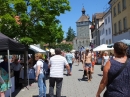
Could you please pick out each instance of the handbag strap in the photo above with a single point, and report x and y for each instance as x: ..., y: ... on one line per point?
x: 118, y: 72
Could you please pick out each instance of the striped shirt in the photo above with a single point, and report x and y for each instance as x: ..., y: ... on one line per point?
x: 57, y: 63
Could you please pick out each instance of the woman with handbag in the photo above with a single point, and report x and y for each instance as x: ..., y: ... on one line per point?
x: 4, y: 82
x: 116, y: 75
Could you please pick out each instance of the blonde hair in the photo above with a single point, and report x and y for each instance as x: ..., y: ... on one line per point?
x: 106, y: 52
x: 39, y: 55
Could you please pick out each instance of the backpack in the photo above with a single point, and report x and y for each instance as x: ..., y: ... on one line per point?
x: 45, y: 67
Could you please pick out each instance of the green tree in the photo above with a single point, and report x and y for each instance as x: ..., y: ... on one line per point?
x: 70, y: 34
x: 64, y: 47
x: 32, y: 21
x: 36, y: 19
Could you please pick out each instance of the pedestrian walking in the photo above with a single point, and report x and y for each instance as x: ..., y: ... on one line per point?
x: 116, y: 75
x: 40, y: 75
x: 70, y: 60
x: 88, y: 64
x: 104, y: 60
x: 56, y: 65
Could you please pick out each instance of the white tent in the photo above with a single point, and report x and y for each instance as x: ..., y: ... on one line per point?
x: 72, y: 51
x: 36, y: 49
x: 102, y: 47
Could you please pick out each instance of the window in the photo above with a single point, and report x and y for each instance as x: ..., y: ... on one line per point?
x: 100, y: 33
x: 125, y: 23
x: 110, y: 41
x: 119, y: 25
x: 103, y: 31
x: 114, y: 10
x: 106, y: 41
x: 123, y: 4
x: 115, y: 29
x: 106, y: 32
x: 103, y: 41
x: 105, y: 21
x: 119, y: 7
x: 108, y: 19
x: 109, y: 30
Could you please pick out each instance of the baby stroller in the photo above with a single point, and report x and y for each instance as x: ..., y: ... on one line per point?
x: 85, y: 76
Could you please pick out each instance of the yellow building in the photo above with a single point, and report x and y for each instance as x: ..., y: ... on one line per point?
x: 120, y: 10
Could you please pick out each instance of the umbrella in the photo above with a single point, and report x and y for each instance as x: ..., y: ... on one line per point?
x: 102, y: 47
x: 125, y: 41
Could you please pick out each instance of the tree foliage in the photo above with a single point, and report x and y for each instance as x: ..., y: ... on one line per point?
x: 32, y: 21
x: 64, y: 47
x: 70, y: 34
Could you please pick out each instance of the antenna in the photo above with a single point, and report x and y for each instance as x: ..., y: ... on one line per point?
x: 82, y: 4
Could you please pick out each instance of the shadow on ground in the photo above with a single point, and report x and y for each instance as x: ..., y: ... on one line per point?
x: 83, y: 79
x: 22, y: 86
x: 100, y: 74
x: 76, y: 65
x: 65, y: 74
x: 80, y: 70
x: 47, y: 95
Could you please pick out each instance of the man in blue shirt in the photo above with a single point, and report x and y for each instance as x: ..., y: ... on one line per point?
x: 70, y: 60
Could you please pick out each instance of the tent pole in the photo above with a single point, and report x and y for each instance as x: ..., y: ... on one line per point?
x: 9, y: 72
x: 27, y: 67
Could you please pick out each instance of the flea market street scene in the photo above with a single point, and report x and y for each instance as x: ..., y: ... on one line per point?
x: 64, y: 48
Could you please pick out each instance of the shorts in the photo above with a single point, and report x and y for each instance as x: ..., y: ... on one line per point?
x: 88, y: 65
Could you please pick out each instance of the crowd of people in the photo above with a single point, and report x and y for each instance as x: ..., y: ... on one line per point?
x: 115, y: 69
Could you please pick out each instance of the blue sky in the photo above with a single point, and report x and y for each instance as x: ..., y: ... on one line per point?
x: 91, y: 6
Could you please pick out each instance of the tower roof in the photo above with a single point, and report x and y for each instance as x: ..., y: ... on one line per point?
x: 83, y: 17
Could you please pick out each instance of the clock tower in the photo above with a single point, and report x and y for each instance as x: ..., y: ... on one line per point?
x: 83, y: 38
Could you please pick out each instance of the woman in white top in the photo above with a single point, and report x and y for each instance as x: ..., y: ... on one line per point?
x: 40, y: 77
x: 105, y: 58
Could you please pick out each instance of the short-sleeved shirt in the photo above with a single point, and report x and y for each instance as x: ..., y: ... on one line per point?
x: 106, y: 58
x: 57, y: 63
x: 39, y: 63
x: 69, y: 57
x: 16, y: 67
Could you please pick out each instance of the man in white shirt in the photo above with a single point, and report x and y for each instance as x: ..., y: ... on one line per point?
x: 56, y: 66
x: 16, y: 67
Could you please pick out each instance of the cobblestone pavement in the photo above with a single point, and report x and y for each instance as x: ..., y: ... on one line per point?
x: 73, y: 86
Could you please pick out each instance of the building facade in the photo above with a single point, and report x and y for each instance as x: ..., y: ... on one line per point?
x: 102, y: 34
x: 97, y: 20
x: 83, y: 38
x: 120, y: 19
x: 107, y: 27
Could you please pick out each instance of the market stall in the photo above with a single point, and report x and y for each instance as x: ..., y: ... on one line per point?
x: 9, y: 45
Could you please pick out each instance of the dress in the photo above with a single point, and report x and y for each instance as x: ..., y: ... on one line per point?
x: 120, y: 87
x: 4, y: 87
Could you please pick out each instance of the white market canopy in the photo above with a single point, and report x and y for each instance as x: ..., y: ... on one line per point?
x: 72, y: 51
x: 102, y: 47
x: 36, y: 49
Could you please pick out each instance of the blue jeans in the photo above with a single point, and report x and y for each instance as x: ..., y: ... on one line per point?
x: 70, y: 64
x: 42, y: 85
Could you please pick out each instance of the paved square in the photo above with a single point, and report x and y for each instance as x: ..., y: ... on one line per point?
x: 73, y: 86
